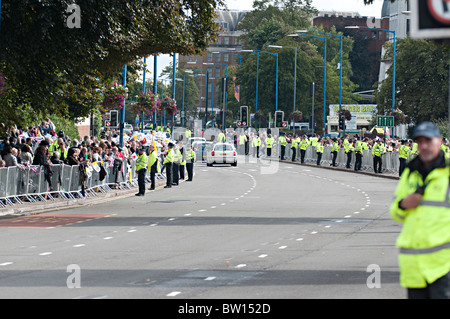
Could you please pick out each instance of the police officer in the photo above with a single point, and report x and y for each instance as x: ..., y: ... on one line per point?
x: 303, y: 145
x: 256, y: 143
x: 141, y: 170
x: 283, y: 142
x: 153, y: 166
x: 358, y: 154
x: 294, y: 146
x: 377, y: 151
x: 168, y: 161
x: 334, y: 151
x: 319, y: 150
x: 269, y: 144
x: 176, y: 166
x: 422, y: 204
x: 403, y: 154
x: 348, y: 147
x: 190, y: 159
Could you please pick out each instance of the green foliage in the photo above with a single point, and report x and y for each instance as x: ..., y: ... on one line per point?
x: 421, y: 80
x: 50, y: 68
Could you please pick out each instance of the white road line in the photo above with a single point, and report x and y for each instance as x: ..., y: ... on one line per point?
x: 173, y: 294
x: 79, y: 245
x: 106, y: 238
x: 6, y: 263
x: 210, y: 278
x: 241, y: 266
x: 262, y: 256
x: 282, y: 247
x: 46, y: 253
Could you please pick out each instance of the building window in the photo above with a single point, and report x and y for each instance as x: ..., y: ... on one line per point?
x: 225, y: 58
x: 209, y: 57
x: 226, y: 40
x: 217, y: 57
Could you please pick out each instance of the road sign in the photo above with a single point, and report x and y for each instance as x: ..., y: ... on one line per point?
x: 430, y: 19
x: 285, y: 124
x: 385, y: 121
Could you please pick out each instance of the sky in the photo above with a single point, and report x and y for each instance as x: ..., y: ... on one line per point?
x: 373, y: 10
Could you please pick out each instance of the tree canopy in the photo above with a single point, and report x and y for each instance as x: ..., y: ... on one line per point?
x: 51, y: 68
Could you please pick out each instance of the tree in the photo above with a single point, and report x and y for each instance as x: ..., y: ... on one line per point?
x: 421, y: 80
x: 47, y: 65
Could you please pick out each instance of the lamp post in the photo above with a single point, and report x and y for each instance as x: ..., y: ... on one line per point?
x: 340, y: 37
x: 324, y: 75
x: 295, y: 67
x: 393, y: 59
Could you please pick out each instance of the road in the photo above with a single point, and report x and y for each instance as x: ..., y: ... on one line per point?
x: 258, y: 230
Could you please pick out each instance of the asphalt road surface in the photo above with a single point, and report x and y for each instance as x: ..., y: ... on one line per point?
x: 259, y: 230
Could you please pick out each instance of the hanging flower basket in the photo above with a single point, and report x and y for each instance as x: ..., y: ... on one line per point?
x: 296, y: 116
x: 147, y: 103
x: 346, y: 113
x: 169, y: 105
x: 114, y: 97
x: 399, y: 117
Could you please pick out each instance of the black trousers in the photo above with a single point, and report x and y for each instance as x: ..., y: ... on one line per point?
x: 182, y: 171
x: 169, y: 174
x: 349, y: 159
x: 358, y: 161
x: 175, y: 173
x: 302, y: 156
x: 402, y: 166
x: 319, y: 157
x: 440, y: 289
x: 377, y: 164
x: 141, y: 180
x: 335, y: 154
x: 269, y: 151
x: 190, y: 170
x: 294, y: 153
x: 283, y: 151
x: 152, y: 175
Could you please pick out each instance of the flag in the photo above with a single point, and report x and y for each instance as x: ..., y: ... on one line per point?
x: 237, y: 91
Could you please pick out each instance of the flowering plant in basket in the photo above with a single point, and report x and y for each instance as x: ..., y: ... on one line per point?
x: 147, y: 103
x: 168, y: 104
x: 399, y: 117
x: 114, y: 97
x: 346, y: 113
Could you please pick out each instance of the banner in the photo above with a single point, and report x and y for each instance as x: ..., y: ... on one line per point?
x: 237, y: 91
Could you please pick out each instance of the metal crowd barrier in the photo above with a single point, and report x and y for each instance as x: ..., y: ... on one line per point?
x: 20, y: 184
x: 390, y: 160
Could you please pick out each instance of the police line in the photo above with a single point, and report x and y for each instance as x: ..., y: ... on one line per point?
x: 19, y: 184
x: 390, y: 159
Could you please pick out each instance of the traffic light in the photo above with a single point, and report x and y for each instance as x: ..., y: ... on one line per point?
x: 244, y: 115
x: 342, y: 122
x: 114, y: 119
x: 279, y: 118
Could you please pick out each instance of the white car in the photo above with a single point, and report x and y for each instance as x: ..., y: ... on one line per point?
x: 222, y: 153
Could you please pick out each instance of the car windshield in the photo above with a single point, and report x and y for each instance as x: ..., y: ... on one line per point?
x: 223, y: 147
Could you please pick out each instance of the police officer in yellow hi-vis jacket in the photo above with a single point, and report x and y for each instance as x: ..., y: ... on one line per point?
x: 422, y: 205
x: 168, y: 161
x: 141, y: 169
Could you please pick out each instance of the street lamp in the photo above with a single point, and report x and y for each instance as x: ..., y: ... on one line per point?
x: 324, y: 74
x: 340, y: 62
x: 276, y: 79
x: 295, y: 67
x: 393, y: 61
